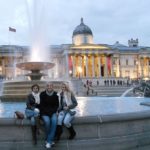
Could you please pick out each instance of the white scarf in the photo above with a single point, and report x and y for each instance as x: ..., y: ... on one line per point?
x: 37, y: 97
x: 67, y: 98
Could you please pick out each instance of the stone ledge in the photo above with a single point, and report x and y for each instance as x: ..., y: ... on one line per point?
x: 89, y: 119
x: 105, y: 132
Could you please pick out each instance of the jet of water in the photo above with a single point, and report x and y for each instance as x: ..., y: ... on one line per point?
x: 38, y: 28
x: 126, y: 92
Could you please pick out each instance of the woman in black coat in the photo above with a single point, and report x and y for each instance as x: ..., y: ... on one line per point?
x: 32, y: 110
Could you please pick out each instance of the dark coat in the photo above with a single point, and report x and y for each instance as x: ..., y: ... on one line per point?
x: 31, y: 102
x: 48, y: 104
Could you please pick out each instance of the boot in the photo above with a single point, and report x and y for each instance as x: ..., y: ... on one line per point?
x: 58, y: 132
x: 37, y: 120
x: 72, y: 133
x: 34, y: 137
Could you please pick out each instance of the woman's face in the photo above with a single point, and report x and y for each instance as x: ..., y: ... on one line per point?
x: 63, y: 87
x: 35, y: 89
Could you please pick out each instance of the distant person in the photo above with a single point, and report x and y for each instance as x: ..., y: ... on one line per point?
x: 87, y: 82
x: 49, y: 104
x: 66, y: 113
x: 32, y: 110
x: 105, y: 82
x: 97, y: 83
x: 114, y: 82
x: 111, y: 82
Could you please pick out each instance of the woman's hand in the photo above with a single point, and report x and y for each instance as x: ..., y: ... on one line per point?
x: 66, y: 107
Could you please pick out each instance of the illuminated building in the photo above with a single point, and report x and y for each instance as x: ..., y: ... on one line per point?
x: 83, y: 58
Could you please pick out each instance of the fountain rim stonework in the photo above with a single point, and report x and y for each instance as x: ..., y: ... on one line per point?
x: 35, y: 65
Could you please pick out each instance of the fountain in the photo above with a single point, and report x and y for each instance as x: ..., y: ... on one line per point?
x: 35, y: 68
x: 143, y: 88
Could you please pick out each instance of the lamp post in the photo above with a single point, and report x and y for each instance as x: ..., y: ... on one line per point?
x: 70, y: 73
x: 137, y: 68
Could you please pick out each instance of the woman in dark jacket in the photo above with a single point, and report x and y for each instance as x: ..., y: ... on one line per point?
x: 66, y: 113
x: 49, y: 104
x: 32, y: 110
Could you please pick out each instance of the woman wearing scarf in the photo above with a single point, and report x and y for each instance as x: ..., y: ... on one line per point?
x: 49, y: 104
x: 32, y: 110
x: 66, y: 113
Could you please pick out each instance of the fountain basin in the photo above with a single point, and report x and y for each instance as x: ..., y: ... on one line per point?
x: 113, y: 125
x: 35, y: 65
x: 35, y: 68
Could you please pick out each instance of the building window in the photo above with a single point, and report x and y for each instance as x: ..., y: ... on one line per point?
x: 127, y: 62
x: 85, y: 40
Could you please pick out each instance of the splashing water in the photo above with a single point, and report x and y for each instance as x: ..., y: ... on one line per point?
x: 126, y: 92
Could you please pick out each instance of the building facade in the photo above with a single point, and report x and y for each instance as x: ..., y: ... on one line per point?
x: 83, y: 58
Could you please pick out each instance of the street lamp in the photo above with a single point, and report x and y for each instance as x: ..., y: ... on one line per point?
x: 70, y: 73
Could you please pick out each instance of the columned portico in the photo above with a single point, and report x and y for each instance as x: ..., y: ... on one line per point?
x: 89, y: 65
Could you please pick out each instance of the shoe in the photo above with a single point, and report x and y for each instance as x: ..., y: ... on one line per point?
x: 72, y: 133
x: 52, y: 143
x: 48, y: 145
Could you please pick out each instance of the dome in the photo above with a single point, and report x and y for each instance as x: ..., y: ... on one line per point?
x: 82, y: 29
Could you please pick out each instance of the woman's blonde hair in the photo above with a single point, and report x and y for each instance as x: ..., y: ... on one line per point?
x: 67, y: 88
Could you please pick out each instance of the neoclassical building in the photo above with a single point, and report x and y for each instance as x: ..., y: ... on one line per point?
x: 83, y: 58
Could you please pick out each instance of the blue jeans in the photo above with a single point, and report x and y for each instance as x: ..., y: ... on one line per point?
x: 50, y: 127
x: 65, y: 118
x: 31, y: 114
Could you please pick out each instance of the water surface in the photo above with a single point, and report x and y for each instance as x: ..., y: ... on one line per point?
x: 88, y: 106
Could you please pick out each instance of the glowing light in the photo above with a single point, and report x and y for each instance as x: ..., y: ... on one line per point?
x: 79, y: 69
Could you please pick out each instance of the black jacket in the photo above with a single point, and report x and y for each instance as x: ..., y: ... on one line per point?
x: 48, y: 104
x: 31, y: 102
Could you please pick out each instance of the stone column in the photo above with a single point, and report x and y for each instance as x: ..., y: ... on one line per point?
x: 80, y: 64
x: 118, y: 67
x: 112, y: 71
x: 93, y: 67
x: 3, y: 66
x: 99, y: 65
x: 106, y: 67
x: 142, y: 65
x: 87, y: 75
x: 147, y: 66
x: 73, y: 66
x: 67, y: 65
